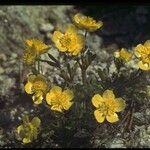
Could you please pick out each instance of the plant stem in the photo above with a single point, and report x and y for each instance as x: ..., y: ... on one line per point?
x: 83, y: 76
x: 38, y: 66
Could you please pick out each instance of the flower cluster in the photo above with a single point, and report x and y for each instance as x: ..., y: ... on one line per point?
x: 60, y: 98
x: 143, y: 53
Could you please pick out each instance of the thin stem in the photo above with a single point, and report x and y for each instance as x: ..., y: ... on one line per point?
x: 83, y: 76
x: 38, y: 66
x: 85, y: 34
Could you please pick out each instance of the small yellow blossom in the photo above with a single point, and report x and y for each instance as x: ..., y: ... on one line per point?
x: 38, y: 86
x: 87, y: 23
x: 123, y: 54
x: 107, y: 106
x: 34, y: 49
x: 143, y: 53
x: 28, y: 131
x: 29, y: 56
x: 70, y: 41
x: 37, y: 45
x: 58, y: 99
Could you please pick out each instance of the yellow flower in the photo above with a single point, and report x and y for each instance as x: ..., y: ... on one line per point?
x: 34, y: 49
x: 58, y: 99
x: 37, y: 45
x: 107, y: 106
x: 70, y: 41
x: 28, y: 131
x: 87, y: 23
x: 123, y: 54
x: 29, y: 56
x: 143, y: 53
x: 38, y: 86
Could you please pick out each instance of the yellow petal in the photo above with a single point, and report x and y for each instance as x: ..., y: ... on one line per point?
x: 79, y: 45
x: 56, y: 90
x: 49, y: 97
x: 57, y: 108
x: 112, y: 117
x: 37, y: 97
x: 143, y: 66
x: 53, y: 95
x: 97, y: 100
x: 108, y: 94
x: 140, y: 50
x: 71, y: 29
x: 120, y: 105
x: 117, y: 54
x: 36, y: 122
x: 56, y: 39
x: 66, y: 105
x: 99, y: 116
x: 125, y: 55
x: 68, y: 95
x: 56, y: 36
x: 29, y: 42
x: 147, y: 44
x: 19, y: 129
x: 26, y: 140
x: 28, y: 88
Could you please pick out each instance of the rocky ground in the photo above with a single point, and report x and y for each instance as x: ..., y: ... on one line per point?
x: 19, y: 23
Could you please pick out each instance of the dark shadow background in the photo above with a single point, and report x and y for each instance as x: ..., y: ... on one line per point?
x: 124, y: 25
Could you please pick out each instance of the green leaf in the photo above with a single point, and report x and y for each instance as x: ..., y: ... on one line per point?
x: 101, y: 74
x: 50, y: 63
x: 53, y: 58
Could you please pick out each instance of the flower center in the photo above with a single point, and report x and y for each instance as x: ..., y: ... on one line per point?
x: 103, y: 108
x: 65, y: 41
x: 89, y: 21
x: 39, y: 85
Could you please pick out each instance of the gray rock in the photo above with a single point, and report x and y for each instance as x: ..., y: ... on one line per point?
x: 46, y: 27
x: 19, y: 23
x: 117, y: 143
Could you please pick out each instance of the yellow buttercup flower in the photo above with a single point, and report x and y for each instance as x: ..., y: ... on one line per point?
x: 34, y: 49
x: 70, y: 41
x: 123, y: 54
x: 58, y: 99
x: 107, y: 106
x: 28, y: 131
x: 37, y: 45
x: 29, y: 56
x: 143, y: 53
x: 87, y: 23
x: 38, y: 86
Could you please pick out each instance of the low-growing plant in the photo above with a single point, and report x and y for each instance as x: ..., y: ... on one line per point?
x: 72, y: 104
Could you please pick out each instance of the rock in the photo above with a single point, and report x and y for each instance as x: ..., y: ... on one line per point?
x: 46, y: 27
x: 117, y: 143
x: 1, y: 70
x: 139, y: 116
x: 19, y: 23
